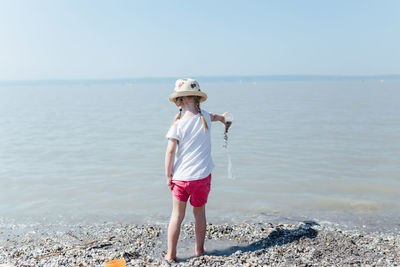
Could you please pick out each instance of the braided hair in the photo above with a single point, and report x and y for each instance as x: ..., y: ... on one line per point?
x: 179, y: 100
x: 203, y: 120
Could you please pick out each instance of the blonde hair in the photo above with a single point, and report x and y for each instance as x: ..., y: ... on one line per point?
x: 203, y: 120
x: 179, y: 100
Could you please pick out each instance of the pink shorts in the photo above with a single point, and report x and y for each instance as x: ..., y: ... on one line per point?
x: 197, y: 190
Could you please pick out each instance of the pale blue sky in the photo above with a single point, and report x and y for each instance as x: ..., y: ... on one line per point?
x: 71, y: 39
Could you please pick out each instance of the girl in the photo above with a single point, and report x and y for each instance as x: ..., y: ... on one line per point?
x: 189, y: 175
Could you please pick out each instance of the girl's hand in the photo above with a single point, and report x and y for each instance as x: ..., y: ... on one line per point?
x: 169, y: 181
x: 223, y: 118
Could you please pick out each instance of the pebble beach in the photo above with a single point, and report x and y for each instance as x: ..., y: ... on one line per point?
x: 305, y: 243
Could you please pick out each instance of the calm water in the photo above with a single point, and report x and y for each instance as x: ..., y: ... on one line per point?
x: 317, y: 149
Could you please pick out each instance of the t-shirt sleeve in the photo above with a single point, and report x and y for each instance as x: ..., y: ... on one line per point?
x: 173, y: 132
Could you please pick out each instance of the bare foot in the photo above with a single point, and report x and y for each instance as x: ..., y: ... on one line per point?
x: 199, y: 252
x: 169, y: 259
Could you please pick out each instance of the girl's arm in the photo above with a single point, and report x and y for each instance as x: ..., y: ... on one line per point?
x: 217, y: 117
x: 169, y: 160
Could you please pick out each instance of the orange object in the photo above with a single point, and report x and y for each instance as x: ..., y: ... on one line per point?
x: 116, y: 263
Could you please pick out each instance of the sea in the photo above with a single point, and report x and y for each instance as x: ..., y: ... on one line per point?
x: 326, y: 150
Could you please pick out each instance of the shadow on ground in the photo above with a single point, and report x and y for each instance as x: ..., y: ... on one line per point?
x: 278, y: 237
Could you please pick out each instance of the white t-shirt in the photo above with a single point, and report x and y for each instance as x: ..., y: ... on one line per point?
x: 193, y: 157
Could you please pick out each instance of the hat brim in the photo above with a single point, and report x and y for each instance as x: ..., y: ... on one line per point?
x: 175, y: 95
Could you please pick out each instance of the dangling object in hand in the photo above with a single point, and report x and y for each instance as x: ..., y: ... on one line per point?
x: 228, y: 123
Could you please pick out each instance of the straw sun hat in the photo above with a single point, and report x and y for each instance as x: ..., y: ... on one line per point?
x: 187, y: 87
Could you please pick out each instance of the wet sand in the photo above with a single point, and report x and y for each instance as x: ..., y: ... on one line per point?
x: 243, y: 244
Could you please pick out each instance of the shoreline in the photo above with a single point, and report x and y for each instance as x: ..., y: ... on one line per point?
x: 379, y: 222
x: 246, y: 244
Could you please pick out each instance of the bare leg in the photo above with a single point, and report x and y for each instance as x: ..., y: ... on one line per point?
x: 174, y: 228
x: 201, y: 225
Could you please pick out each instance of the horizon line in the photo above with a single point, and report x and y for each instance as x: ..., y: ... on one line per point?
x: 205, y: 78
